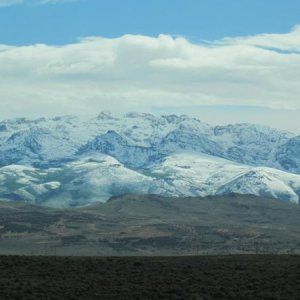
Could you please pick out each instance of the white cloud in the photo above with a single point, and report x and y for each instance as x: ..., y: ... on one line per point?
x: 150, y: 73
x: 289, y: 42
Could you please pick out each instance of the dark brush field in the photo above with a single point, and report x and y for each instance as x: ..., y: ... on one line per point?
x: 199, y: 277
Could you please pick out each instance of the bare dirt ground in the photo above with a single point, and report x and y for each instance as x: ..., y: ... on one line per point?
x: 196, y: 277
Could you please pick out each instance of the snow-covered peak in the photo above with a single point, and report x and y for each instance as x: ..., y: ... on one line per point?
x: 106, y: 155
x: 97, y: 177
x: 30, y: 140
x: 245, y: 133
x: 106, y: 115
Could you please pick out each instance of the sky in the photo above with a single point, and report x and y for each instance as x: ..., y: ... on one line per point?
x: 224, y: 61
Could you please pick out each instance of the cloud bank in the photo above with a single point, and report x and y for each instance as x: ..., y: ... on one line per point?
x: 145, y: 73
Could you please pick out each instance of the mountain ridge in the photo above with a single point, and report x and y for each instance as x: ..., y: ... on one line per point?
x: 143, y: 145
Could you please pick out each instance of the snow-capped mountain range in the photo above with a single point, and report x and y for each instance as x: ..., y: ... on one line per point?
x: 73, y: 161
